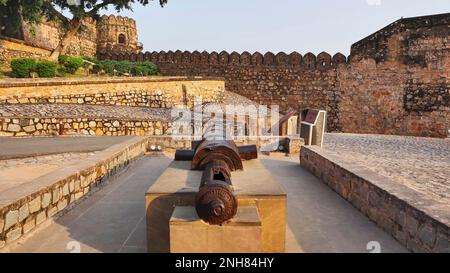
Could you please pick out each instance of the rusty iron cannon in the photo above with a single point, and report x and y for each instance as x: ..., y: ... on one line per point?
x: 215, y: 201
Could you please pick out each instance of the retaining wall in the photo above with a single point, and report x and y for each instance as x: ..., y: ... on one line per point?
x: 416, y: 221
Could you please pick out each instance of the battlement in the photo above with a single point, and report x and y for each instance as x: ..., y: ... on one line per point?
x: 121, y: 20
x: 322, y: 61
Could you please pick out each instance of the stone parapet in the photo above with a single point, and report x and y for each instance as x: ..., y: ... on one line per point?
x: 160, y: 92
x: 419, y: 223
x: 30, y: 205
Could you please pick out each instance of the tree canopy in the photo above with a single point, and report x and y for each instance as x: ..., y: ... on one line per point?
x: 32, y: 11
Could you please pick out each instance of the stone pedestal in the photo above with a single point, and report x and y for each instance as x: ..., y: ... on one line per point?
x: 254, y: 186
x: 189, y: 234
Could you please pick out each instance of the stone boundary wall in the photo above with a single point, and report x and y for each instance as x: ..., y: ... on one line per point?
x: 158, y: 92
x: 22, y: 126
x: 417, y: 222
x: 53, y: 192
x: 291, y: 81
x: 51, y: 195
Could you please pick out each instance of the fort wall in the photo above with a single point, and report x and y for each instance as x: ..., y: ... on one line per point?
x: 394, y: 81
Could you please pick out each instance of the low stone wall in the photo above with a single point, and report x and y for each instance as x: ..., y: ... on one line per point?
x: 419, y: 223
x: 20, y: 127
x: 24, y: 208
x: 163, y: 92
x: 46, y: 196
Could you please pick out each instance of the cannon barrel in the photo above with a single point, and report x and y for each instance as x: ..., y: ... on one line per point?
x: 215, y: 201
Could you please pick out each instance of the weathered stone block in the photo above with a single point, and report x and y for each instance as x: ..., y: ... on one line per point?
x: 29, y: 129
x: 442, y: 244
x: 65, y: 189
x: 13, y: 235
x: 23, y: 212
x: 29, y: 224
x: 71, y: 186
x: 62, y: 204
x: 427, y: 234
x: 52, y: 211
x: 35, y: 205
x: 11, y: 218
x: 411, y: 224
x: 55, y: 196
x: 46, y: 199
x: 14, y: 128
x: 40, y: 217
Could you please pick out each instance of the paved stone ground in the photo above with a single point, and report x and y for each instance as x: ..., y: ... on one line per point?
x: 422, y: 164
x: 84, y: 110
x: 102, y: 111
x: 113, y: 218
x: 36, y: 146
x: 16, y: 172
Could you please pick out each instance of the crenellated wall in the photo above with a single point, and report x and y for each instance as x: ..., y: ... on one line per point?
x: 291, y: 81
x: 394, y: 81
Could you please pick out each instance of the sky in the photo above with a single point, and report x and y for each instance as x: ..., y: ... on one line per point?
x: 270, y: 25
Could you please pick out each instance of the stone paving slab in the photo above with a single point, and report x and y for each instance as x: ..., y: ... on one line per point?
x: 422, y: 164
x: 37, y: 146
x: 83, y: 111
x: 113, y: 218
x: 31, y: 204
x: 19, y: 171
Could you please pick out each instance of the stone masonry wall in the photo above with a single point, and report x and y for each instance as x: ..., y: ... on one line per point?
x: 394, y: 82
x: 20, y: 127
x: 48, y: 34
x: 397, y: 81
x: 11, y: 49
x: 164, y: 92
x: 56, y: 192
x: 418, y: 223
x: 291, y: 81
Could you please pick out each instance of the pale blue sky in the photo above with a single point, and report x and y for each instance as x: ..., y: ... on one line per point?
x: 270, y: 25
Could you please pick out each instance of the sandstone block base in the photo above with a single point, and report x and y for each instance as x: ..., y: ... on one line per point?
x: 189, y: 234
x: 254, y: 186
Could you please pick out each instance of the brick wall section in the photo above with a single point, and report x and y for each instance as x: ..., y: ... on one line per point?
x: 419, y: 223
x: 164, y: 92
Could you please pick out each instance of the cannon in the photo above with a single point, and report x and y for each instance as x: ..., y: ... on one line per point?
x: 215, y: 201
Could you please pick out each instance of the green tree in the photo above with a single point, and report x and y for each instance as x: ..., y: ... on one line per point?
x: 70, y: 13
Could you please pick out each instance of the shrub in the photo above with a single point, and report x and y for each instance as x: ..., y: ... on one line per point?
x: 62, y: 59
x: 62, y: 71
x: 46, y: 69
x: 107, y: 66
x: 72, y: 63
x: 22, y: 67
x: 123, y: 67
x: 139, y: 70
